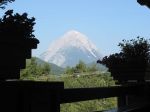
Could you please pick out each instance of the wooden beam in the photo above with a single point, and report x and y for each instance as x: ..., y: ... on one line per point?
x: 83, y: 94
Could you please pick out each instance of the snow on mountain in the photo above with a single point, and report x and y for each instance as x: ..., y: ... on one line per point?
x: 69, y: 49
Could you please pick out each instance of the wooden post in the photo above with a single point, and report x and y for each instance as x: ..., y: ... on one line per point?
x: 121, y: 100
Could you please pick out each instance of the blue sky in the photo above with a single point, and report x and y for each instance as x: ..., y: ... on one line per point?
x: 105, y: 22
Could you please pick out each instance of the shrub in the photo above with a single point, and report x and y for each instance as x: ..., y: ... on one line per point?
x: 134, y: 52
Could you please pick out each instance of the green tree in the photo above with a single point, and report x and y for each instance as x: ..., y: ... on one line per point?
x: 92, y: 68
x: 81, y: 67
x: 46, y: 69
x: 69, y: 70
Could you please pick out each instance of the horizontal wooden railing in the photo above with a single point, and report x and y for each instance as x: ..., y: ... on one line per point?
x: 83, y: 94
x: 30, y: 96
x: 131, y: 97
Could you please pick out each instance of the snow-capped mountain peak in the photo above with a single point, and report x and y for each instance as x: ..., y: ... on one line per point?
x: 71, y: 43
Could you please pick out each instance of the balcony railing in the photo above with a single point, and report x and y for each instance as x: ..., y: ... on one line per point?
x: 30, y: 96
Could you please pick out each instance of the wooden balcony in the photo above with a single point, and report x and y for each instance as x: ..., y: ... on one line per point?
x: 31, y: 96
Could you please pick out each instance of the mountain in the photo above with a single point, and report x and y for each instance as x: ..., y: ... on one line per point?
x: 69, y: 49
x: 56, y: 70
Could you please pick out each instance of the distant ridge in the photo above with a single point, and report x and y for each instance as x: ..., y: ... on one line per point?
x: 69, y: 49
x: 55, y: 70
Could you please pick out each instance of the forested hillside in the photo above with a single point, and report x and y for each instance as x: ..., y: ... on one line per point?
x: 79, y: 76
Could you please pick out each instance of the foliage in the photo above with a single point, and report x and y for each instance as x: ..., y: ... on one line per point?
x: 18, y: 26
x: 144, y: 2
x: 134, y: 52
x: 137, y: 49
x: 89, y: 106
x: 69, y: 70
x: 92, y: 68
x: 112, y: 60
x: 97, y: 80
x: 4, y: 2
x: 46, y: 69
x: 80, y: 68
x: 34, y: 70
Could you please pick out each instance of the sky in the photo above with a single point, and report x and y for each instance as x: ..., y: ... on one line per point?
x: 104, y: 22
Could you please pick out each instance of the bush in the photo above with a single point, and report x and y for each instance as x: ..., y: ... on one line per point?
x: 134, y: 52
